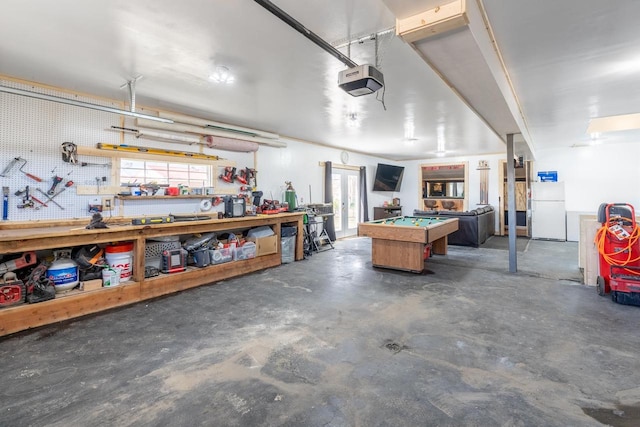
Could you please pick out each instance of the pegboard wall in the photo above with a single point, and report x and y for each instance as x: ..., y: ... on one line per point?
x: 34, y: 130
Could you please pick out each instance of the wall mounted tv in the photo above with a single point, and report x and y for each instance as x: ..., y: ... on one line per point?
x: 388, y: 178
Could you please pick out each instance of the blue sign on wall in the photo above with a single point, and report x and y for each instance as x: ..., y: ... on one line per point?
x: 548, y: 176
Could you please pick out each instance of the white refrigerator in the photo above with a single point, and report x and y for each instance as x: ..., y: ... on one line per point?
x: 548, y: 214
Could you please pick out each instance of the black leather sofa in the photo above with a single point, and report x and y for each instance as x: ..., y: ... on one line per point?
x: 474, y: 227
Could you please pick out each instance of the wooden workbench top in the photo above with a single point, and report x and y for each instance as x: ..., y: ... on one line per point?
x: 51, y: 235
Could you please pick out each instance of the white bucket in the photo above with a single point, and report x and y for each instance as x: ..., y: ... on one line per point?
x: 121, y: 256
x: 110, y: 277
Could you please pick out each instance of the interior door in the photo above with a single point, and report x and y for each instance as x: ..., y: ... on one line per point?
x: 346, y: 202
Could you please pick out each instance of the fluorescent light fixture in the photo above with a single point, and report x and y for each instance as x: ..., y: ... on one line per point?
x: 81, y: 104
x: 614, y: 123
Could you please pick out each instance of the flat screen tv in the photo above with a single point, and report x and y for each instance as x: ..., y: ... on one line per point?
x: 388, y: 178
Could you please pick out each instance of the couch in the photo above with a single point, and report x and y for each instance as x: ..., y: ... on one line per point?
x: 474, y: 227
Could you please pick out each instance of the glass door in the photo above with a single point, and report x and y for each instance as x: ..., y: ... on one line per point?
x: 346, y: 202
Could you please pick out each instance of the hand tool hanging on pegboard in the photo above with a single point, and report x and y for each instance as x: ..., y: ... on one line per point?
x: 50, y: 198
x: 70, y: 155
x: 35, y: 178
x: 34, y: 198
x: 69, y: 152
x: 52, y: 201
x: 26, y: 198
x: 56, y: 180
x: 5, y: 203
x: 7, y: 170
x: 12, y: 164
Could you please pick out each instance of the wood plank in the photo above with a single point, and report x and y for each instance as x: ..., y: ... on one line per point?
x: 393, y: 232
x: 27, y: 316
x: 397, y: 255
x: 589, y: 226
x: 57, y: 236
x: 166, y: 284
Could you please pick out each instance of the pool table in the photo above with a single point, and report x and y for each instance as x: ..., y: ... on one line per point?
x: 399, y: 242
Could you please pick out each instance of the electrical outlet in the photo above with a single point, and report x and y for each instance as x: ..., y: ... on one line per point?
x: 107, y: 203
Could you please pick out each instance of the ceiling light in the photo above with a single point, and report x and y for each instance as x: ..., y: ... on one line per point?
x: 614, y: 123
x: 352, y: 120
x: 222, y: 75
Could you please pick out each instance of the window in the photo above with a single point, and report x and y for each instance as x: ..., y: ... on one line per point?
x: 171, y: 173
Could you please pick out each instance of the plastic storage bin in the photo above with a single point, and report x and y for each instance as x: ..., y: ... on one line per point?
x: 288, y: 246
x: 246, y: 251
x: 219, y: 256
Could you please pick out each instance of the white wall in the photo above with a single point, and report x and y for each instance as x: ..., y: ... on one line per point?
x: 299, y: 163
x: 596, y: 174
x: 605, y: 173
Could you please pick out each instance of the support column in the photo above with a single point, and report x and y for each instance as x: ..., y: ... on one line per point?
x: 511, y: 205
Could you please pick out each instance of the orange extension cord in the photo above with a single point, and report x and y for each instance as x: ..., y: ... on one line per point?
x: 632, y: 240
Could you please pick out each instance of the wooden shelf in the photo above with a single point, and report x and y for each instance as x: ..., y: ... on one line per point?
x: 79, y: 303
x: 189, y: 196
x: 386, y: 212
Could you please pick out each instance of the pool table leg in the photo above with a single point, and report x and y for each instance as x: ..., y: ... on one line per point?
x: 440, y: 246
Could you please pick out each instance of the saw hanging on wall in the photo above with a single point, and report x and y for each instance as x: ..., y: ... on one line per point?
x: 159, y: 151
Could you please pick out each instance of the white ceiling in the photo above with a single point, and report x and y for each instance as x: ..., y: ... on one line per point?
x: 568, y: 61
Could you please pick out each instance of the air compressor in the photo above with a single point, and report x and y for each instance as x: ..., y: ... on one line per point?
x: 618, y: 242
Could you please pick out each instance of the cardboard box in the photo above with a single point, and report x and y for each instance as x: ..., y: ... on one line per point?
x: 265, y: 245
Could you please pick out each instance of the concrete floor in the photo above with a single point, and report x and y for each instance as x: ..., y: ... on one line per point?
x: 330, y: 341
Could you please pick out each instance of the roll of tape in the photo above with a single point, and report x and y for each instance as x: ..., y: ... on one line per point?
x: 205, y: 205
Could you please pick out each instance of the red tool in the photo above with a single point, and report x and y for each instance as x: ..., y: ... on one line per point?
x: 35, y: 178
x: 12, y: 291
x: 229, y: 174
x: 27, y: 259
x: 39, y: 201
x: 242, y: 178
x: 56, y: 180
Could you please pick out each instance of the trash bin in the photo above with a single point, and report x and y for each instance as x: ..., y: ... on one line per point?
x: 288, y: 244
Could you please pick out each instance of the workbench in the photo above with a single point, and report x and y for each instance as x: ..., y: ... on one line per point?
x: 15, y: 240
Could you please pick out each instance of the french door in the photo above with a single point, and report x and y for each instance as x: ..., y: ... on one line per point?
x: 346, y: 201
